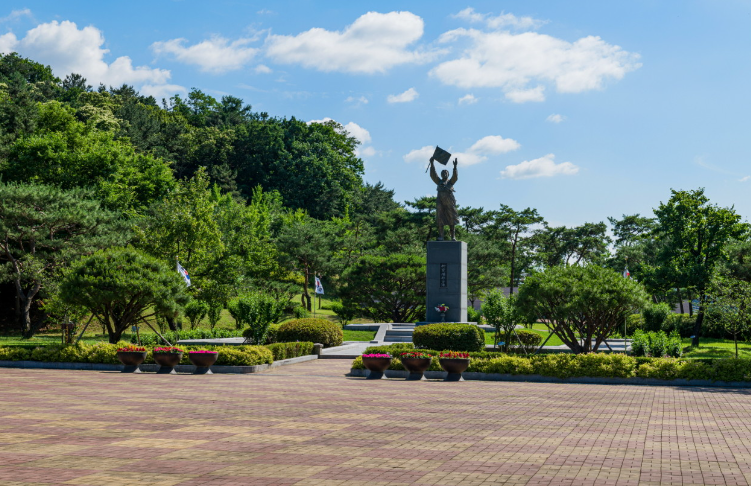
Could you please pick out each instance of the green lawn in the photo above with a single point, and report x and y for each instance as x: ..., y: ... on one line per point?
x: 553, y: 341
x: 358, y: 335
x: 715, y: 348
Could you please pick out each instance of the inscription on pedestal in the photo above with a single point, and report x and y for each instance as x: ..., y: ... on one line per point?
x: 442, y: 275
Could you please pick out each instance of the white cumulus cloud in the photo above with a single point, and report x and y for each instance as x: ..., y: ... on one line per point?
x: 373, y: 43
x: 744, y: 179
x: 262, y: 69
x: 16, y: 14
x: 555, y: 118
x: 480, y: 151
x: 215, y: 55
x: 410, y: 95
x: 499, y: 21
x: 543, y: 167
x: 468, y: 99
x: 521, y: 64
x: 69, y: 49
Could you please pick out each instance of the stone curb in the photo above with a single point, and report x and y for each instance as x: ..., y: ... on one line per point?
x: 45, y: 365
x: 547, y: 379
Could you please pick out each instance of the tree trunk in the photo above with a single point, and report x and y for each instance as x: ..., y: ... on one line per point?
x: 171, y: 323
x: 680, y: 299
x: 115, y: 336
x: 26, y: 301
x: 305, y: 293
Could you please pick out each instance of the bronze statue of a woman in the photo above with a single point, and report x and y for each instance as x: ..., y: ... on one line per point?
x: 446, y: 213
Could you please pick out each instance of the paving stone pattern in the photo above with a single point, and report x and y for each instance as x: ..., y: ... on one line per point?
x: 309, y: 425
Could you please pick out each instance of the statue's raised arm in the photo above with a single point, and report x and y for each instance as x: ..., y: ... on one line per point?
x: 454, y: 176
x: 433, y: 174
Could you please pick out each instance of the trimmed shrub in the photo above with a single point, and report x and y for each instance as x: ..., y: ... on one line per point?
x: 271, y: 334
x: 104, y: 353
x: 655, y: 315
x: 449, y: 337
x: 313, y: 330
x: 661, y: 369
x: 243, y: 355
x: 605, y: 365
x: 528, y: 341
x: 290, y: 350
x: 657, y: 344
x: 14, y: 354
x: 510, y: 365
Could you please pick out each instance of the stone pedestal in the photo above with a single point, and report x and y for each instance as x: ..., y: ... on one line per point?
x: 447, y: 280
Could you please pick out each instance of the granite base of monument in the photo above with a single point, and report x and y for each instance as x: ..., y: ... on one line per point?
x: 446, y: 281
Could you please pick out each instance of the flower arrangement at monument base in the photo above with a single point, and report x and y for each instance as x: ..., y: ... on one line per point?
x: 131, y: 357
x: 377, y: 364
x: 454, y: 363
x: 167, y: 358
x: 443, y: 308
x: 416, y: 362
x: 202, y: 359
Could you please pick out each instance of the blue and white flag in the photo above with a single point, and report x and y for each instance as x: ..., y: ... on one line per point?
x: 626, y: 273
x: 184, y: 273
x: 319, y: 287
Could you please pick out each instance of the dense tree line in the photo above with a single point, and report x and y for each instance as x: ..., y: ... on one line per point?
x: 249, y: 202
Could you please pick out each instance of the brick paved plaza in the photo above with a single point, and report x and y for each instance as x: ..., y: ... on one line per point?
x: 308, y: 424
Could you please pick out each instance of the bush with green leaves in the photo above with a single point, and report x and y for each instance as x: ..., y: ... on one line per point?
x: 243, y: 355
x: 300, y: 312
x: 290, y: 350
x: 525, y: 341
x: 449, y: 337
x: 14, y: 353
x: 258, y: 311
x: 195, y: 311
x: 655, y: 316
x: 582, y: 305
x: 657, y: 344
x: 345, y: 313
x: 474, y: 315
x: 311, y: 329
x: 214, y: 313
x: 684, y: 325
x: 634, y: 322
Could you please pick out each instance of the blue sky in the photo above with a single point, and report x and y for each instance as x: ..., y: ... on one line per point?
x: 582, y: 110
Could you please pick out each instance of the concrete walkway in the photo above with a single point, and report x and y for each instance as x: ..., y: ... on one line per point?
x: 309, y: 425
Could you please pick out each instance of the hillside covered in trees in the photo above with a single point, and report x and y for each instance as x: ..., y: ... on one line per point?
x: 249, y: 201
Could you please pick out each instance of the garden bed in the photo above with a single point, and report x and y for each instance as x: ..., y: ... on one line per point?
x: 441, y: 375
x: 46, y: 365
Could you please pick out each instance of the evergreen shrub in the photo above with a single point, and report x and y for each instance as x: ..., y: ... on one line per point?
x: 311, y: 329
x: 449, y: 337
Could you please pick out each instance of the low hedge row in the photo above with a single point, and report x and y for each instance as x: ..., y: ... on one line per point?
x: 596, y: 365
x: 107, y: 353
x: 150, y: 339
x: 290, y: 350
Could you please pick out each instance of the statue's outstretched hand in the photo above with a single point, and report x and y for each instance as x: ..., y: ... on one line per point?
x: 456, y: 161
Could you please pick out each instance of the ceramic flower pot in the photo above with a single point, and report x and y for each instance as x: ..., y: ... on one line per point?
x: 167, y: 362
x: 132, y: 360
x: 416, y: 367
x: 454, y: 367
x: 203, y: 362
x: 376, y: 366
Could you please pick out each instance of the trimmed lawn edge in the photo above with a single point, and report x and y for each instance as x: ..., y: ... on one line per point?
x: 358, y: 373
x: 46, y: 365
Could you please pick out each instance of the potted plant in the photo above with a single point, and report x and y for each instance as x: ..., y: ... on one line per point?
x: 203, y: 359
x: 131, y: 357
x: 443, y: 308
x: 416, y: 362
x: 377, y: 364
x: 455, y: 364
x: 167, y: 359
